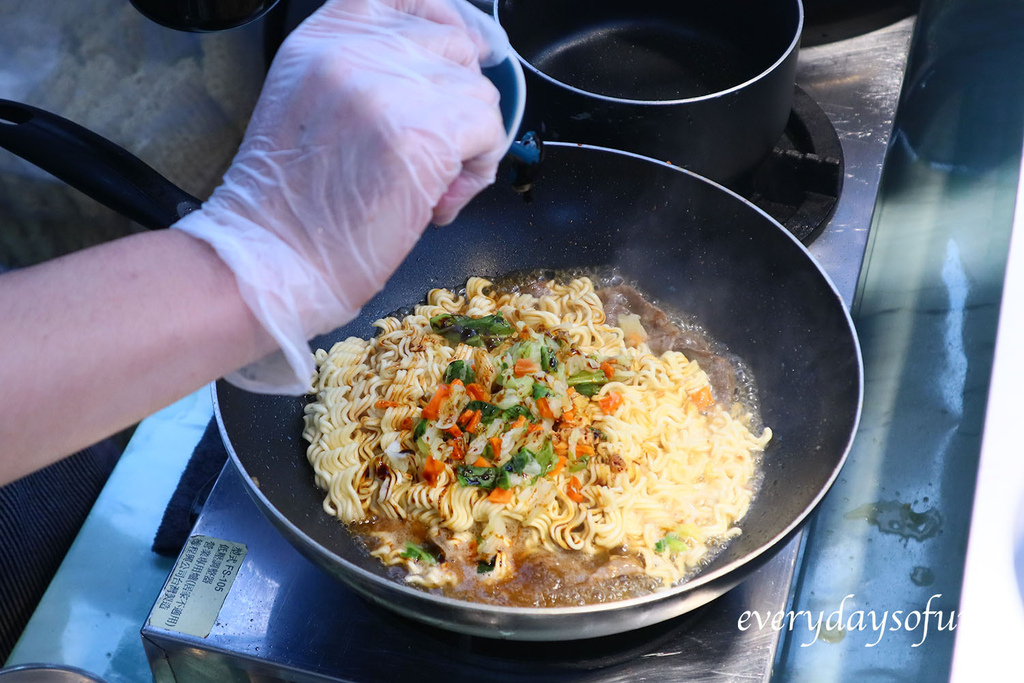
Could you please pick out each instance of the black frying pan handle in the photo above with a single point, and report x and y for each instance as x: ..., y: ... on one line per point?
x: 93, y: 165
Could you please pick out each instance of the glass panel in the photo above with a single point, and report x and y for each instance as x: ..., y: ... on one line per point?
x: 889, y: 539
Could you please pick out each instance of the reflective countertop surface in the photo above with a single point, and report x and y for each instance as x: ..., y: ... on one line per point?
x: 879, y: 584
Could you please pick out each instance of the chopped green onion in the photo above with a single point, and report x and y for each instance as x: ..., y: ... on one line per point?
x: 671, y: 543
x: 485, y: 567
x: 420, y: 430
x: 581, y: 465
x: 415, y: 552
x: 586, y: 377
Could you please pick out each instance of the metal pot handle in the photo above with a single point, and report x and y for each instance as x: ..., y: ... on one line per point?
x: 93, y: 165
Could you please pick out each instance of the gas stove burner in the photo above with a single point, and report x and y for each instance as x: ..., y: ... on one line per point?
x: 799, y: 183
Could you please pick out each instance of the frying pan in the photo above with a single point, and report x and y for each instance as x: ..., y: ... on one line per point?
x: 692, y: 246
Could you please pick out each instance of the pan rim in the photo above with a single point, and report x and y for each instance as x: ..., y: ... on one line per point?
x: 793, y: 46
x: 552, y: 613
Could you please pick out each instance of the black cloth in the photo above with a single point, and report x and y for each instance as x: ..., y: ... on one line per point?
x: 202, y: 469
x: 40, y: 516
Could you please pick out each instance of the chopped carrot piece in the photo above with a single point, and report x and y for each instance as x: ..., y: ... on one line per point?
x: 574, y: 490
x: 407, y: 423
x: 525, y: 366
x: 609, y: 402
x: 431, y: 470
x: 476, y: 392
x: 466, y: 416
x: 534, y: 428
x: 458, y: 449
x: 474, y: 421
x: 520, y: 421
x: 454, y: 431
x: 559, y: 466
x: 703, y: 397
x: 571, y: 392
x: 584, y: 449
x: 608, y: 369
x: 569, y: 415
x: 635, y: 339
x: 500, y: 496
x: 495, y: 442
x: 434, y: 407
x: 386, y: 404
x: 544, y: 409
x: 482, y: 462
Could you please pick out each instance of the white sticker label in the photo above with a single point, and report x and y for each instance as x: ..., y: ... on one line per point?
x: 195, y: 590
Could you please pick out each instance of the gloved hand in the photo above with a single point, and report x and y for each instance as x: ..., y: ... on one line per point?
x: 373, y: 121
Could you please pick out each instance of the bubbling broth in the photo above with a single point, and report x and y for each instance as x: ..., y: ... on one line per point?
x: 542, y: 440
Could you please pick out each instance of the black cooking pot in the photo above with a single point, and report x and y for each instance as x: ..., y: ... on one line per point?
x: 203, y: 15
x: 690, y: 244
x: 707, y: 86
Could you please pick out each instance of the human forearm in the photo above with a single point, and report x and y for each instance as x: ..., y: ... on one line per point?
x: 95, y: 341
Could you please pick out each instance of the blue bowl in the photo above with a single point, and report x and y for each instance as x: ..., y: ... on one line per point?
x: 507, y: 77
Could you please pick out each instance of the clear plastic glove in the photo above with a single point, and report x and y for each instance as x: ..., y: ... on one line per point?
x: 374, y: 120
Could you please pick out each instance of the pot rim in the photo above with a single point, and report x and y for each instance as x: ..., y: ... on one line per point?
x: 794, y: 45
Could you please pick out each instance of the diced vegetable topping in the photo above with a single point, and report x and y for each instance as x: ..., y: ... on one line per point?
x: 671, y: 542
x: 574, y: 490
x: 488, y: 412
x: 459, y: 370
x: 415, y: 552
x: 518, y: 414
x: 609, y: 402
x: 544, y: 409
x: 487, y: 331
x: 476, y: 392
x: 500, y: 496
x: 580, y: 464
x: 560, y: 465
x: 525, y: 366
x: 588, y: 383
x: 486, y: 477
x: 431, y: 470
x: 494, y: 444
x: 434, y: 407
x: 703, y: 397
x: 536, y: 423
